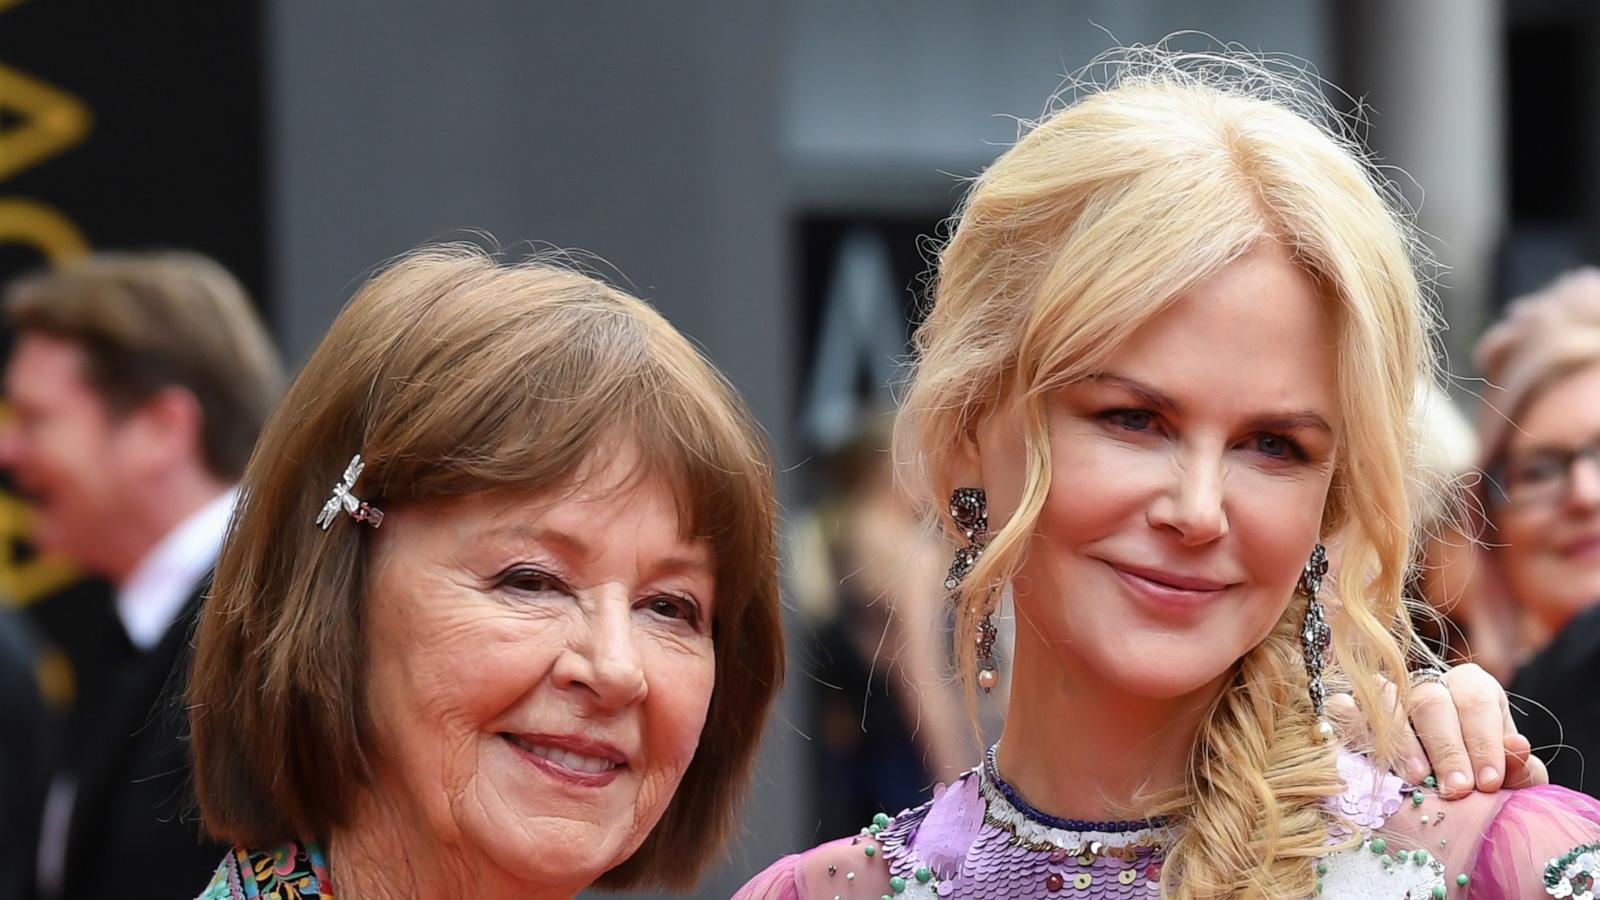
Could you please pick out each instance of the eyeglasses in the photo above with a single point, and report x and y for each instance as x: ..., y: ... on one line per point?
x: 1541, y: 477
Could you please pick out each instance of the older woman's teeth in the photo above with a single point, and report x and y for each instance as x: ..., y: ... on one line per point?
x: 566, y: 758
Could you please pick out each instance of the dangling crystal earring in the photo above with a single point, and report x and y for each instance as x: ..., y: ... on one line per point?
x: 1316, y: 638
x: 969, y: 508
x: 988, y: 672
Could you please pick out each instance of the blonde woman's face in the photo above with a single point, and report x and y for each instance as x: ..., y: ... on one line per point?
x: 1189, y: 478
x: 1548, y: 533
x: 540, y: 671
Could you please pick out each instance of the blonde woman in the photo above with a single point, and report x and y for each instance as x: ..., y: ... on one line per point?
x: 1175, y: 342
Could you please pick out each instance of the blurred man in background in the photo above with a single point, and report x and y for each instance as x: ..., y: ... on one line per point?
x: 137, y: 386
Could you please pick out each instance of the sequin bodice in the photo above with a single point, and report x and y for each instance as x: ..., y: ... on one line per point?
x: 978, y: 839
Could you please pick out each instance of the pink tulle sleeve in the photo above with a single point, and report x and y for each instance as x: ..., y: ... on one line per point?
x: 819, y: 874
x: 1533, y: 827
x: 775, y: 883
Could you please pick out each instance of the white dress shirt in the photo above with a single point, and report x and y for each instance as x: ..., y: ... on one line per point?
x: 157, y: 588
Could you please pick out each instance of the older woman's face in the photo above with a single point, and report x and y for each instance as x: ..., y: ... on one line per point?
x: 540, y: 671
x: 1189, y: 479
x: 1549, y: 531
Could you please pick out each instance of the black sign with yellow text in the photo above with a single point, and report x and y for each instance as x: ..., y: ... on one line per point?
x: 123, y: 126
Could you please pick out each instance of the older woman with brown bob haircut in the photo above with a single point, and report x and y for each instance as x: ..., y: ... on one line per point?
x: 549, y: 667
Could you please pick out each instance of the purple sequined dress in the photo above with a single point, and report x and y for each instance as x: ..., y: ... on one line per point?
x: 978, y: 839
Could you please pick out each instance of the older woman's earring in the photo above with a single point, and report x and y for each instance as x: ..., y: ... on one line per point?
x: 969, y: 509
x: 1316, y: 639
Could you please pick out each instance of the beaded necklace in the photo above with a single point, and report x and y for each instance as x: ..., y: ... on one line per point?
x: 991, y: 770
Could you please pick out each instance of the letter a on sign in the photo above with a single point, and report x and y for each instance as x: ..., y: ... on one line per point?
x: 51, y: 120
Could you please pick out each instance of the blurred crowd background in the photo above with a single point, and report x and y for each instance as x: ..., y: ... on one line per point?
x: 770, y: 175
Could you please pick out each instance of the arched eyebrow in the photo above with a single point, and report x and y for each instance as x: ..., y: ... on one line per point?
x: 689, y: 560
x: 1289, y: 420
x: 1146, y: 394
x: 1292, y: 421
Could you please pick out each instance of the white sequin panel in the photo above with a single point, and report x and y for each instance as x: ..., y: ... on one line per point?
x: 1360, y: 874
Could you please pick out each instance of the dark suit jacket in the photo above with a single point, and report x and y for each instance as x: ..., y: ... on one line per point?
x: 1565, y: 678
x: 135, y: 834
x: 24, y: 742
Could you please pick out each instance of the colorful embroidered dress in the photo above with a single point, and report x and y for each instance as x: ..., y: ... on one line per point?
x: 978, y: 839
x: 291, y: 872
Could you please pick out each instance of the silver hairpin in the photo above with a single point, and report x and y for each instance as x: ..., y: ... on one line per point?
x: 350, y: 503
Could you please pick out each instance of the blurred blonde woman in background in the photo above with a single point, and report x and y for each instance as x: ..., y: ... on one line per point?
x: 1175, y: 347
x: 1539, y: 560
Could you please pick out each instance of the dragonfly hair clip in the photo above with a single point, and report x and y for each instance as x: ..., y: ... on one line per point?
x: 341, y: 498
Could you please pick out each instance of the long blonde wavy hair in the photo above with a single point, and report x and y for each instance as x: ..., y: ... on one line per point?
x: 1103, y: 212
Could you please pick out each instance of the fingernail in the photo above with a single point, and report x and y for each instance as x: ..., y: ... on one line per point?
x: 1418, y: 768
x: 1458, y: 781
x: 1488, y: 775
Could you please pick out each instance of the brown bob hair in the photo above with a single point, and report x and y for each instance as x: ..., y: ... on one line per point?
x: 150, y: 321
x: 452, y: 372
